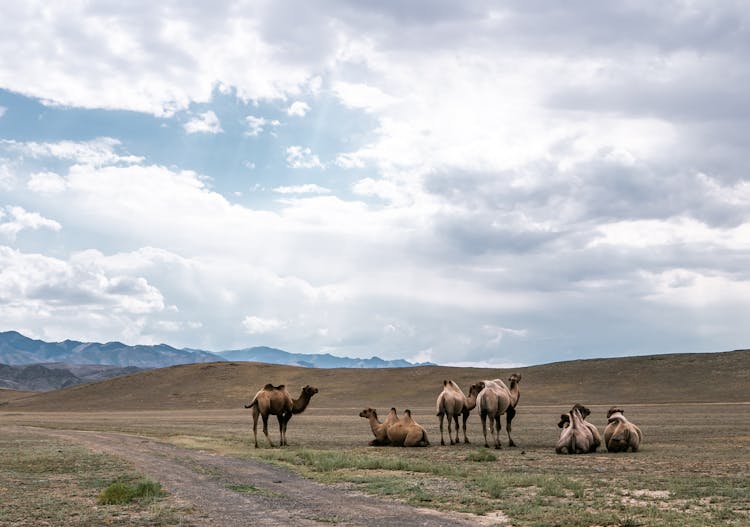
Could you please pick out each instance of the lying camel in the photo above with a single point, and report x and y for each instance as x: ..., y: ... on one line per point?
x: 451, y: 403
x: 275, y: 400
x: 494, y: 400
x: 576, y: 437
x: 379, y: 429
x: 620, y: 434
x: 406, y: 432
x: 585, y: 412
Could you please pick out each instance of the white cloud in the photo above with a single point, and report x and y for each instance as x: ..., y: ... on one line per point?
x: 302, y: 157
x: 206, y: 122
x: 20, y: 219
x: 3, y: 109
x: 298, y: 109
x: 309, y: 188
x: 46, y: 182
x: 259, y: 325
x: 98, y: 152
x: 256, y: 125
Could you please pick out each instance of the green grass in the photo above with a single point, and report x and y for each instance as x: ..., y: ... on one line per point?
x: 119, y: 492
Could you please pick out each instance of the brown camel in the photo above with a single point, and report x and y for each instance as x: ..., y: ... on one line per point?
x: 494, y: 400
x: 576, y: 437
x: 620, y: 434
x: 406, y: 432
x: 275, y: 400
x: 585, y: 412
x: 451, y: 403
x: 380, y: 430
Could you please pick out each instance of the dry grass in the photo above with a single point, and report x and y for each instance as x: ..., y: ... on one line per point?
x: 693, y: 469
x: 48, y: 482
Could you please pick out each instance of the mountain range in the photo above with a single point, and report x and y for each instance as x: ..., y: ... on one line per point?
x: 17, y: 349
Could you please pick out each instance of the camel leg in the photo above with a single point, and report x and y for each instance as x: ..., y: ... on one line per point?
x: 466, y: 416
x: 442, y: 441
x: 256, y: 413
x: 458, y: 428
x: 510, y: 414
x: 287, y: 418
x: 282, y: 438
x: 265, y: 428
x: 483, y: 417
x: 498, y: 429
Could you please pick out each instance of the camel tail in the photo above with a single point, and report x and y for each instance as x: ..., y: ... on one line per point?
x: 254, y: 402
x: 441, y: 410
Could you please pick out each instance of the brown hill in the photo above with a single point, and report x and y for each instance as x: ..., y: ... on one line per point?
x: 705, y: 377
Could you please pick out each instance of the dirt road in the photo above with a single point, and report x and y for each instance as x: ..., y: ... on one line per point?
x: 278, y: 498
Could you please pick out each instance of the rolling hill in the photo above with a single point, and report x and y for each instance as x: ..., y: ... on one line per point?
x: 708, y: 377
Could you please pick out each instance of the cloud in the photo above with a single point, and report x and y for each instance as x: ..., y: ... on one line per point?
x: 310, y: 188
x: 70, y: 299
x: 46, y: 182
x: 298, y: 109
x: 3, y: 109
x: 256, y: 125
x: 302, y: 157
x: 259, y: 326
x: 206, y: 123
x: 97, y: 152
x: 20, y: 219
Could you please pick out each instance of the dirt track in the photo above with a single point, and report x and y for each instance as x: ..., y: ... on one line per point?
x: 282, y: 497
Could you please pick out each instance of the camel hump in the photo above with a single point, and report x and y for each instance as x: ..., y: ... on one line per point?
x: 270, y: 386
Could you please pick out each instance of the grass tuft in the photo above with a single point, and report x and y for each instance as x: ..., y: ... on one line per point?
x: 481, y: 455
x: 120, y: 493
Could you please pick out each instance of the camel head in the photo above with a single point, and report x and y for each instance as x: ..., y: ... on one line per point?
x: 585, y: 412
x: 308, y: 391
x: 614, y: 410
x: 368, y: 412
x: 514, y: 378
x: 476, y: 388
x: 564, y: 420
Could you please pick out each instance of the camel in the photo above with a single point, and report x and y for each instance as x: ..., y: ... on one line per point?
x: 379, y: 429
x: 275, y: 400
x: 406, y: 432
x: 494, y: 400
x: 585, y: 412
x: 576, y: 437
x: 451, y: 403
x: 620, y: 434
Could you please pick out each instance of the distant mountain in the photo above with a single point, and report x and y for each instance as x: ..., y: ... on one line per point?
x: 53, y: 376
x: 277, y: 356
x: 16, y: 349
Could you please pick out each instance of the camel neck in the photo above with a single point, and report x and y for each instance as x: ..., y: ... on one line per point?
x: 299, y: 405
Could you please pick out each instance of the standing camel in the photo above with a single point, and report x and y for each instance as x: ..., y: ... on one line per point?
x: 451, y: 403
x: 275, y: 400
x: 494, y: 400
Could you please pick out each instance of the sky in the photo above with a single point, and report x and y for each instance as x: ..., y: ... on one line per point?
x: 468, y: 183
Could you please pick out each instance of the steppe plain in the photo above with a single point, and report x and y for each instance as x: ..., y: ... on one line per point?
x: 186, y: 428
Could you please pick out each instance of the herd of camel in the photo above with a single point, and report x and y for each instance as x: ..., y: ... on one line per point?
x: 493, y: 398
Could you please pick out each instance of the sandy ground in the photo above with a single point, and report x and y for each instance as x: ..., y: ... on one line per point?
x: 279, y: 497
